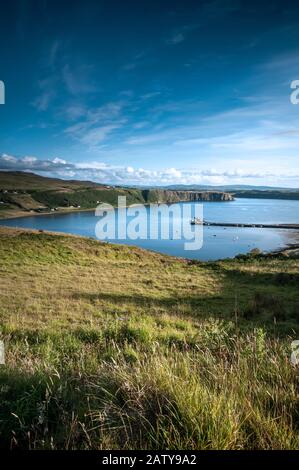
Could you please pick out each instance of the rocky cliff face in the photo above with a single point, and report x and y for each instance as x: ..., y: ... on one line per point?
x: 167, y: 196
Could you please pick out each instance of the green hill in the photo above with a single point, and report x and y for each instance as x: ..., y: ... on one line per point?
x: 19, y: 180
x: 25, y: 193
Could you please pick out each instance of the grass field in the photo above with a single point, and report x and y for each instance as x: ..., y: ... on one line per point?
x: 114, y: 347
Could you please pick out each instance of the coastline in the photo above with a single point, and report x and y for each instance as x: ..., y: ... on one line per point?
x: 62, y: 210
x: 289, y: 249
x: 289, y: 231
x: 23, y: 214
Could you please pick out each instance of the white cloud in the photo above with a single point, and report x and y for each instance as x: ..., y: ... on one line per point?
x: 29, y: 163
x: 59, y: 160
x: 128, y: 175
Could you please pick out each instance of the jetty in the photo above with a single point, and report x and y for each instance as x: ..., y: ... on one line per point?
x: 246, y: 225
x: 196, y: 221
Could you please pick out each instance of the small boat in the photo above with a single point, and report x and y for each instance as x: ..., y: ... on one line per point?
x: 196, y: 221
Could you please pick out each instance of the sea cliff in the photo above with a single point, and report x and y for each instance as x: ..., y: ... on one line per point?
x: 153, y: 195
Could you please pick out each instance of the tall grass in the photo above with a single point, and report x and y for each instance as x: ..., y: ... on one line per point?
x: 111, y: 347
x: 224, y: 390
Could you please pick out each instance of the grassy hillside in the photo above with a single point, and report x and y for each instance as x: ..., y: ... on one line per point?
x: 23, y: 181
x: 114, y: 347
x: 22, y: 193
x: 25, y: 193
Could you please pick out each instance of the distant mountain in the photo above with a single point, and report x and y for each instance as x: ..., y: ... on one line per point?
x: 228, y: 187
x: 30, y: 181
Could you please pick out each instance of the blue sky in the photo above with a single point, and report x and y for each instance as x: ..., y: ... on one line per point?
x: 151, y: 92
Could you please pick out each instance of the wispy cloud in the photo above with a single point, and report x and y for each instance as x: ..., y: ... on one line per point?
x: 53, y: 53
x: 97, y: 135
x: 181, y: 33
x: 42, y: 102
x: 255, y: 128
x: 47, y: 94
x: 77, y: 80
x: 152, y: 94
x: 94, y: 124
x: 175, y: 39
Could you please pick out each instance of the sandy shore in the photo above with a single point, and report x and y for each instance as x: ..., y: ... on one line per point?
x: 21, y: 214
